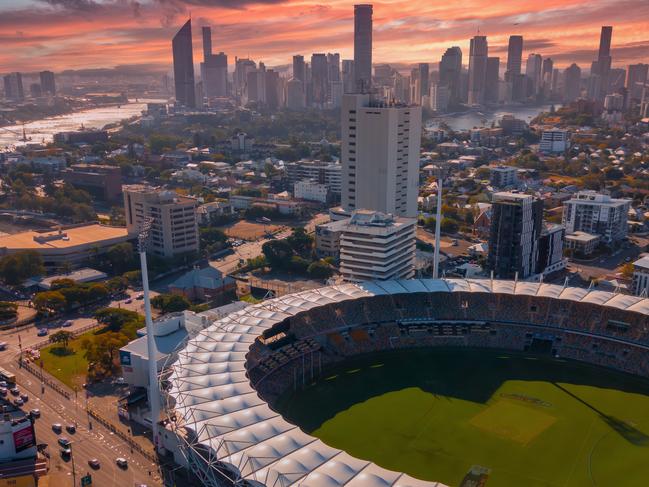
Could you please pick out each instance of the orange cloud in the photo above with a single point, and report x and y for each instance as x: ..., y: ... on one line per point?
x: 54, y: 35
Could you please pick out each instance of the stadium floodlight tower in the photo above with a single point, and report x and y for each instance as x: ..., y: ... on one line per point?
x: 438, y: 224
x: 154, y: 393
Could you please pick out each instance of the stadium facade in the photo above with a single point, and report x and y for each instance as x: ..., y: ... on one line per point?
x: 221, y: 389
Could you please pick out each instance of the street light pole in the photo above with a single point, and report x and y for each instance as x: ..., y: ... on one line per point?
x: 154, y: 396
x: 438, y: 225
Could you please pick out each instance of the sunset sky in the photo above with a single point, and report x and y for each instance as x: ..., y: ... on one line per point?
x: 76, y: 34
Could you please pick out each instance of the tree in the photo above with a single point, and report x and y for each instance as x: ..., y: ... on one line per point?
x: 15, y: 268
x: 49, y: 302
x: 120, y: 257
x: 627, y: 270
x: 170, y: 303
x: 102, y: 347
x: 300, y: 241
x: 134, y: 278
x: 8, y: 310
x: 62, y: 283
x: 320, y: 270
x: 61, y: 337
x: 116, y: 319
x: 278, y: 253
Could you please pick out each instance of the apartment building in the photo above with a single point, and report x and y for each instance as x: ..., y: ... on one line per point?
x: 377, y: 246
x: 174, y: 224
x: 597, y: 214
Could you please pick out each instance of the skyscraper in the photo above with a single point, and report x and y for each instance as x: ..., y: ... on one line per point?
x: 636, y: 78
x: 295, y: 94
x: 571, y: 83
x: 516, y: 225
x: 319, y: 79
x: 492, y: 80
x: 48, y: 85
x: 349, y: 79
x: 477, y: 69
x: 214, y: 68
x: 514, y: 57
x: 363, y: 48
x: 424, y: 79
x: 299, y: 69
x: 600, y: 69
x: 14, y: 87
x: 450, y: 73
x: 546, y: 75
x: 380, y: 155
x: 183, y: 58
x: 533, y: 71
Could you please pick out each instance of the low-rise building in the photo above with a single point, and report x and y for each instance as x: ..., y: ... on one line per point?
x: 101, y: 181
x: 377, y: 246
x: 67, y: 246
x: 581, y: 243
x: 204, y: 284
x: 327, y: 238
x: 554, y: 141
x: 503, y: 176
x: 310, y: 190
x: 207, y: 212
x: 281, y: 205
x: 640, y: 284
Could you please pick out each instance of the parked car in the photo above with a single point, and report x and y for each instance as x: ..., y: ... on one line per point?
x: 57, y: 428
x: 64, y: 441
x: 14, y: 391
x: 42, y: 332
x: 66, y: 452
x: 3, y: 383
x: 94, y: 463
x: 121, y: 462
x: 67, y: 323
x: 70, y: 428
x: 139, y: 297
x: 35, y: 413
x: 18, y: 402
x: 3, y: 391
x: 128, y: 301
x: 24, y: 397
x: 3, y: 345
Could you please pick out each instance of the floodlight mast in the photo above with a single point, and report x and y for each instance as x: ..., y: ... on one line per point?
x: 154, y: 393
x: 438, y: 225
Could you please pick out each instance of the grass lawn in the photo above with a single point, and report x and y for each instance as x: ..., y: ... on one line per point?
x: 435, y: 413
x: 70, y: 369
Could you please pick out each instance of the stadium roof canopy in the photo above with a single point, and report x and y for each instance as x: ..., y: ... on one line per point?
x: 216, y: 403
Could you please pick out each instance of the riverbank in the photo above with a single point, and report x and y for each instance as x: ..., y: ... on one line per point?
x: 474, y: 118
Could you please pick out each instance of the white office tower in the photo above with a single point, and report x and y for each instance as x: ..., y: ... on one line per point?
x: 597, y: 214
x: 377, y: 246
x: 380, y: 155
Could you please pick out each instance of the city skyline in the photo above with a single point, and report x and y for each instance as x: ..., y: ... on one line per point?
x: 78, y: 34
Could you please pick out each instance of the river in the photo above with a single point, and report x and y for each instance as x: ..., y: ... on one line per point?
x: 43, y: 130
x: 471, y: 119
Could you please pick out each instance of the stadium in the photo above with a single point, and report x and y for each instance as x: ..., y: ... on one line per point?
x: 419, y: 382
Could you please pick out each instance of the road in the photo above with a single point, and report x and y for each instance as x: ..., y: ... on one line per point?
x: 249, y: 250
x: 608, y: 265
x: 96, y: 442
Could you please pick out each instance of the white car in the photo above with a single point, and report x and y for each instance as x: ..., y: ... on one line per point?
x: 3, y: 345
x: 121, y: 462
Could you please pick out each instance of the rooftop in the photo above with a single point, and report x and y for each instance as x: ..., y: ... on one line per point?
x: 64, y: 238
x: 642, y: 262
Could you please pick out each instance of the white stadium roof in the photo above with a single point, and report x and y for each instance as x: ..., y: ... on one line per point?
x: 215, y: 401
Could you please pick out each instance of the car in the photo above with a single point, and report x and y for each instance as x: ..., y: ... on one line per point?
x: 57, y: 428
x: 42, y: 332
x: 139, y: 297
x: 35, y: 413
x: 3, y: 383
x: 24, y: 397
x: 627, y: 259
x: 3, y: 345
x: 94, y: 463
x: 14, y: 391
x: 120, y: 381
x: 67, y: 323
x: 64, y: 441
x: 66, y: 452
x: 18, y: 402
x: 3, y: 391
x: 128, y: 301
x: 121, y: 462
x: 70, y: 428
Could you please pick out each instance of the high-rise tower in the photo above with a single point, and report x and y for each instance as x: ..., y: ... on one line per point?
x: 363, y: 47
x: 183, y: 57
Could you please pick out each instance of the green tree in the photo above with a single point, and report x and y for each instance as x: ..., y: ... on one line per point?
x: 15, y: 268
x: 320, y: 270
x: 170, y: 303
x: 61, y: 337
x: 278, y: 253
x: 300, y: 241
x: 117, y: 284
x: 102, y: 348
x: 117, y: 318
x: 120, y: 257
x: 49, y: 302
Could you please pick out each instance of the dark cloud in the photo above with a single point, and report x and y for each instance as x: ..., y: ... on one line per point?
x: 78, y: 5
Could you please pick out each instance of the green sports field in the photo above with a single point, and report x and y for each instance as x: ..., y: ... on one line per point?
x: 435, y: 413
